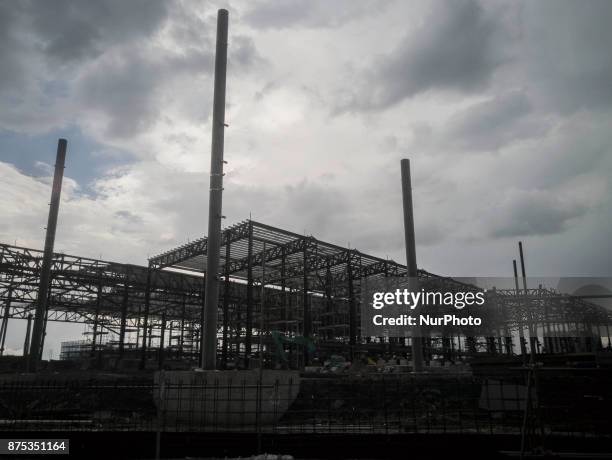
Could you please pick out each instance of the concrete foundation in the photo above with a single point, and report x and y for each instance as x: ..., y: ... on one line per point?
x: 208, y: 399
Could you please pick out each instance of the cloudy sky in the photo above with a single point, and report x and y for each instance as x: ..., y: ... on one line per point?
x: 503, y: 107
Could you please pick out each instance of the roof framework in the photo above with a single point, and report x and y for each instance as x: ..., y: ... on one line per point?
x: 287, y: 255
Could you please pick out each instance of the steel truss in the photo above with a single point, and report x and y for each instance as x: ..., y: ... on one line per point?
x: 312, y: 290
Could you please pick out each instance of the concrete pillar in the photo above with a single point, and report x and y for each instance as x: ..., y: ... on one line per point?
x: 45, y: 272
x: 417, y: 347
x: 209, y: 326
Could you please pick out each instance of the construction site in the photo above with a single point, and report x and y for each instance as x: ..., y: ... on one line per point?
x: 249, y: 340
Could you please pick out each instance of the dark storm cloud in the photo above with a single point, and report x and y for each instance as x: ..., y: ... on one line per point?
x: 124, y: 91
x: 492, y: 123
x: 315, y: 13
x: 484, y: 126
x: 454, y: 49
x: 534, y: 213
x: 127, y: 88
x: 328, y: 210
x: 11, y: 69
x: 567, y: 52
x: 70, y: 30
x: 317, y: 206
x: 64, y: 31
x: 528, y: 82
x: 243, y: 52
x: 312, y: 206
x: 43, y: 44
x: 557, y: 49
x: 105, y: 59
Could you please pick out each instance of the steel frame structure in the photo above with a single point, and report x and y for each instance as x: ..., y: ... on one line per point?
x: 312, y: 290
x: 120, y: 299
x: 313, y: 287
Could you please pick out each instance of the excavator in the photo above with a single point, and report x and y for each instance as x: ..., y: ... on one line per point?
x: 280, y: 339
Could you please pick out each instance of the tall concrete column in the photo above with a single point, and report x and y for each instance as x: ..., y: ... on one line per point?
x: 35, y: 352
x: 209, y: 328
x: 417, y: 346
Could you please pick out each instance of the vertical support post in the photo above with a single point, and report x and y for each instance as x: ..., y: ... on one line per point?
x: 226, y: 294
x: 283, y: 312
x: 307, y: 324
x: 44, y: 331
x: 546, y: 326
x: 531, y: 324
x: 329, y: 303
x: 283, y: 306
x: 520, y: 313
x: 249, y: 306
x: 209, y: 326
x: 294, y: 328
x: 471, y: 345
x: 506, y: 330
x: 262, y: 320
x: 352, y: 312
x: 491, y: 347
x: 97, y: 314
x: 124, y: 307
x: 261, y: 350
x: 162, y: 337
x: 182, y: 335
x: 45, y: 273
x: 26, y: 342
x: 145, y: 320
x: 5, y: 318
x: 199, y: 341
x: 417, y: 347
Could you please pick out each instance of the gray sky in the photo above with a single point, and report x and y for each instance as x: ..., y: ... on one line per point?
x: 503, y: 107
